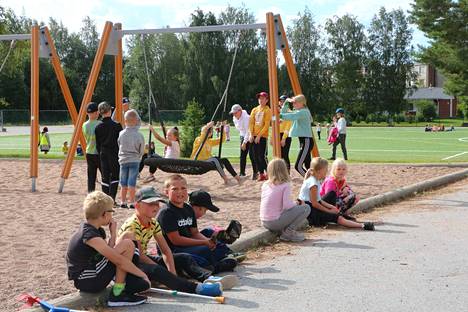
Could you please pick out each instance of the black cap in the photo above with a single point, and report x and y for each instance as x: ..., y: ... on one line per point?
x: 125, y: 100
x: 203, y: 199
x: 283, y: 97
x: 92, y: 107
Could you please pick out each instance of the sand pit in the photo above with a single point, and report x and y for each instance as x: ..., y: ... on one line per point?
x: 35, y: 227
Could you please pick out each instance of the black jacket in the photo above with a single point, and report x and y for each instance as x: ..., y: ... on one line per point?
x: 107, y: 134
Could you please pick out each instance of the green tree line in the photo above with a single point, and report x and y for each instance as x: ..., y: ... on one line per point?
x: 342, y: 63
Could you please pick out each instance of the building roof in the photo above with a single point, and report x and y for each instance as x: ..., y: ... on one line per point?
x: 429, y: 94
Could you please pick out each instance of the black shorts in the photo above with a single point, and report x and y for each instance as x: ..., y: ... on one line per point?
x: 97, y: 277
x: 320, y: 218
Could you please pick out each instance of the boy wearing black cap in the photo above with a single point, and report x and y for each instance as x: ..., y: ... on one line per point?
x: 92, y: 156
x: 107, y: 134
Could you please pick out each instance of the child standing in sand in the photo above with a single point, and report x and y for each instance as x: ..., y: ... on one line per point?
x: 93, y: 262
x: 278, y: 212
x: 322, y: 212
x: 131, y: 149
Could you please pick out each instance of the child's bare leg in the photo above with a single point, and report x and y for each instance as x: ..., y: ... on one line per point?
x: 131, y: 197
x: 123, y: 194
x: 126, y: 248
x: 348, y: 223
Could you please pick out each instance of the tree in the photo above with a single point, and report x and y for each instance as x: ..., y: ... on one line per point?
x: 346, y: 54
x: 194, y: 116
x: 444, y: 22
x: 388, y: 68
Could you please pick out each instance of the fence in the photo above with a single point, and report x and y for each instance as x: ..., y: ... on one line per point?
x: 21, y: 117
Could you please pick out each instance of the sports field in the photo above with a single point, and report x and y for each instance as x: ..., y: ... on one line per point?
x: 402, y: 145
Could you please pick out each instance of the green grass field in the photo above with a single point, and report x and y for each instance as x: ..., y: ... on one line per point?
x: 400, y: 145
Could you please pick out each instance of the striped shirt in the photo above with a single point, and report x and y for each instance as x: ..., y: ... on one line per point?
x: 142, y: 234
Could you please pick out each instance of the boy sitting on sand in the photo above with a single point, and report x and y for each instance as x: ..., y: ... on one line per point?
x: 180, y: 228
x: 93, y: 263
x: 142, y: 226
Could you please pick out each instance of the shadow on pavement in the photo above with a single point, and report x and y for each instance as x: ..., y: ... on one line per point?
x: 400, y: 224
x: 330, y: 244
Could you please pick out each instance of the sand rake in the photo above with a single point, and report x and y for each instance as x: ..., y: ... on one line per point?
x: 175, y: 293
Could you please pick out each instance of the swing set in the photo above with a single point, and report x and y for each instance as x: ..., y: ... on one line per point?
x: 111, y: 44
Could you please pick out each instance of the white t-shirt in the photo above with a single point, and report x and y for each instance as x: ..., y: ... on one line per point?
x: 341, y: 125
x: 304, y: 193
x: 242, y: 124
x: 172, y: 151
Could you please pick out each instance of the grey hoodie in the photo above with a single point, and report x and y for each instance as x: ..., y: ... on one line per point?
x: 131, y: 145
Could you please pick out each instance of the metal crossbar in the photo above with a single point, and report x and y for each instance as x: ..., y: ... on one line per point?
x: 194, y: 29
x: 15, y: 37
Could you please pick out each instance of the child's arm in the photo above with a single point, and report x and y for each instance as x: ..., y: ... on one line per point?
x: 322, y: 205
x: 166, y: 252
x: 178, y: 240
x: 159, y: 137
x: 295, y: 115
x: 120, y: 261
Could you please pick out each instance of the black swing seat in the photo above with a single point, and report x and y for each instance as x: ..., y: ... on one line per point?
x: 182, y: 166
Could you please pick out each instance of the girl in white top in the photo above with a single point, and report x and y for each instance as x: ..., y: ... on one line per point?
x: 172, y: 148
x: 278, y: 212
x: 323, y: 212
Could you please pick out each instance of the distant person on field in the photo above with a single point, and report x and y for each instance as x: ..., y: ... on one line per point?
x: 241, y: 121
x: 107, y: 134
x: 227, y: 131
x: 131, y: 148
x: 94, y: 262
x: 65, y: 148
x: 278, y: 212
x: 319, y: 130
x: 341, y: 140
x: 79, y: 150
x: 92, y: 155
x: 44, y: 140
x: 125, y: 107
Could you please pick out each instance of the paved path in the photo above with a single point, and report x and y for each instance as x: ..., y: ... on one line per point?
x: 417, y: 261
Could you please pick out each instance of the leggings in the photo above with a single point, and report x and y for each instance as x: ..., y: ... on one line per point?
x: 285, y: 151
x: 243, y: 157
x: 221, y: 163
x: 341, y: 140
x: 260, y: 154
x: 160, y: 274
x: 110, y: 171
x: 303, y: 158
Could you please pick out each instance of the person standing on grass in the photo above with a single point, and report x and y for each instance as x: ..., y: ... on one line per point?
x: 107, y: 134
x: 301, y: 128
x: 92, y: 156
x: 241, y: 121
x: 341, y: 140
x: 319, y: 130
x: 44, y: 140
x: 131, y: 149
x: 285, y: 127
x: 125, y: 107
x: 259, y: 127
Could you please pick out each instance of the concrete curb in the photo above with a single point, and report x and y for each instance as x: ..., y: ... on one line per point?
x: 258, y: 237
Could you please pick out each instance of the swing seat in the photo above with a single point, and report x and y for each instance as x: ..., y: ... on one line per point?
x: 182, y: 166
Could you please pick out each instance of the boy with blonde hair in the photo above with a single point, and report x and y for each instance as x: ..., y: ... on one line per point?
x: 93, y: 262
x: 180, y: 228
x: 131, y: 149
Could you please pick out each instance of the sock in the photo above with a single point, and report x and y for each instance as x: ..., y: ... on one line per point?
x: 118, y: 288
x: 199, y: 288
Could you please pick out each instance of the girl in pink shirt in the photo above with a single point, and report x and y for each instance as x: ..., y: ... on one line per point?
x: 336, y: 187
x: 278, y: 212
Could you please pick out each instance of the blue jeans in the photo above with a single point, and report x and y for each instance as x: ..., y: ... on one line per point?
x: 129, y: 174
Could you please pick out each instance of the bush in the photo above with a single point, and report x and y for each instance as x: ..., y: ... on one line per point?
x: 426, y: 110
x: 194, y: 116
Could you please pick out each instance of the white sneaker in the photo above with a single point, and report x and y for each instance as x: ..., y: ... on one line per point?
x: 228, y: 281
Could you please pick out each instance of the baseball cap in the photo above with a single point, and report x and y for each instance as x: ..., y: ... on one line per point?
x: 148, y: 195
x: 203, y: 199
x: 92, y: 107
x: 125, y: 100
x: 235, y: 108
x: 283, y: 97
x: 263, y: 93
x: 339, y: 110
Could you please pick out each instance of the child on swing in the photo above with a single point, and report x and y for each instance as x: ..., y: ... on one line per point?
x: 324, y: 210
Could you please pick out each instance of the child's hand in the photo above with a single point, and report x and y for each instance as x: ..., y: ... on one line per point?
x: 257, y: 139
x: 243, y: 146
x: 210, y: 244
x: 335, y: 210
x: 210, y: 124
x: 151, y: 127
x: 113, y: 227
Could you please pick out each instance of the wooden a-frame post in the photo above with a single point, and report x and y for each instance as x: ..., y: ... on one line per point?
x: 34, y: 137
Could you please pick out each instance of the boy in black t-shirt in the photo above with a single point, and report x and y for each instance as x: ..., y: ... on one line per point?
x: 93, y: 263
x: 179, y: 225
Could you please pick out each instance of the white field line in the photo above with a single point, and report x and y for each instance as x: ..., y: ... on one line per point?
x: 463, y: 139
x: 456, y: 155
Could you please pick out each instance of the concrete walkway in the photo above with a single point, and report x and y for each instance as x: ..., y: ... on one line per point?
x: 416, y: 261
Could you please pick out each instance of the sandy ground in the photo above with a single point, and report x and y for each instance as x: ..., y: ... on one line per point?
x: 35, y: 227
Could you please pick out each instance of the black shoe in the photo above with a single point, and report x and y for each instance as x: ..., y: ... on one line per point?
x: 131, y: 206
x: 369, y: 226
x: 123, y: 205
x: 254, y: 176
x: 241, y: 174
x: 331, y: 158
x: 124, y: 299
x: 225, y: 265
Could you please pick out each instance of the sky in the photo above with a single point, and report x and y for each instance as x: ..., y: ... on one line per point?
x: 137, y: 14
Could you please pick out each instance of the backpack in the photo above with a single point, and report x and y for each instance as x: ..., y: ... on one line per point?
x: 231, y: 234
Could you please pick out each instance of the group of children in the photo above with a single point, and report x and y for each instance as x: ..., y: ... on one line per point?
x: 184, y: 253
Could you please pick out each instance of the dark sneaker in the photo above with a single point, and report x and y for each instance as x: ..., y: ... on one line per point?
x: 124, y: 300
x: 123, y: 205
x: 239, y: 256
x: 369, y: 226
x: 225, y: 265
x: 131, y: 206
x: 241, y: 174
x: 331, y: 158
x: 254, y: 176
x: 210, y: 289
